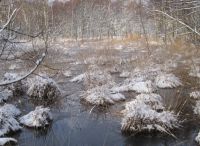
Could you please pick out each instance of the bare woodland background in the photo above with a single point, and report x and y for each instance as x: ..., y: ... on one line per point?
x: 22, y: 21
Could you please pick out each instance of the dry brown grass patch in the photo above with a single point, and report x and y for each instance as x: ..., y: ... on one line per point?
x: 129, y: 38
x: 180, y: 45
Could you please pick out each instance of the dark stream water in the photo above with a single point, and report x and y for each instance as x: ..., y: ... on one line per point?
x: 74, y: 125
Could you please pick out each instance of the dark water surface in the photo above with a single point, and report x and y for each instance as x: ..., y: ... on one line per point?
x: 74, y: 125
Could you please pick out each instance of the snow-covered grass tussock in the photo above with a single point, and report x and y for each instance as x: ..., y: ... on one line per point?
x: 40, y: 117
x: 43, y: 88
x: 7, y: 140
x: 164, y: 80
x: 140, y: 81
x: 5, y: 94
x: 147, y: 73
x: 137, y: 86
x: 146, y: 81
x: 195, y: 94
x: 147, y: 113
x: 102, y: 95
x: 161, y: 78
x: 142, y: 87
x: 8, y: 122
x: 93, y: 77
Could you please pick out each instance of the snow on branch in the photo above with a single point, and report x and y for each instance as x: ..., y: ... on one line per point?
x: 7, y: 140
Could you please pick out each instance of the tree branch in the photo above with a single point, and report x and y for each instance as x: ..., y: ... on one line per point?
x: 8, y: 21
x: 179, y: 21
x: 38, y: 62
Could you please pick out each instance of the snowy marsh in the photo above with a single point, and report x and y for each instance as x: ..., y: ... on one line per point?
x: 94, y: 99
x: 99, y: 72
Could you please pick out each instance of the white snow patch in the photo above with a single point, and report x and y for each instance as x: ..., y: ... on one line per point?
x: 197, y: 108
x: 40, y: 117
x: 79, y: 78
x: 197, y: 139
x: 14, y: 66
x: 10, y: 76
x: 146, y: 113
x: 195, y: 71
x: 125, y: 74
x: 43, y: 88
x: 142, y: 87
x: 67, y: 73
x: 5, y: 94
x: 10, y: 110
x: 164, y: 80
x: 102, y: 95
x: 136, y: 85
x: 170, y: 64
x: 195, y: 94
x: 155, y: 100
x: 6, y: 140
